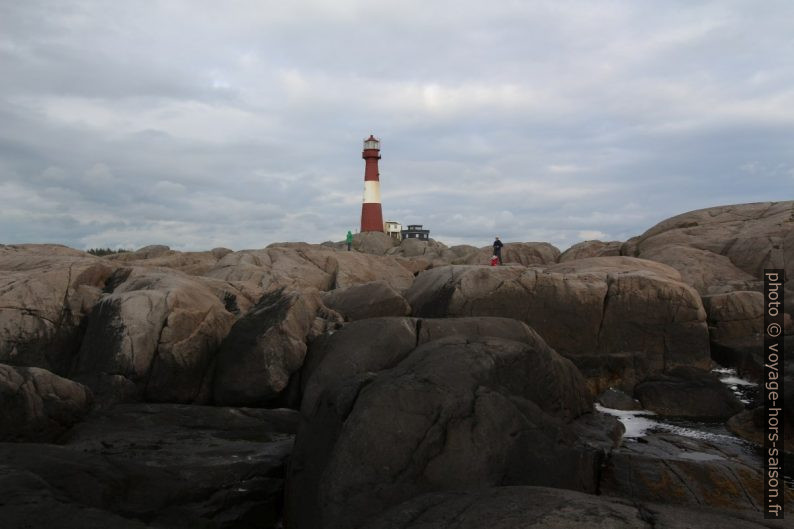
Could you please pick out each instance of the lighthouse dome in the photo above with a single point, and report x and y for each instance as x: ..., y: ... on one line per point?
x: 372, y: 142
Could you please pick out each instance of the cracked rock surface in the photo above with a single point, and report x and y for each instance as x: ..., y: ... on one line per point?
x: 158, y: 330
x: 45, y: 292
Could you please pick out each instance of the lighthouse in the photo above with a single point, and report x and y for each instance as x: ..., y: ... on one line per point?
x: 371, y: 213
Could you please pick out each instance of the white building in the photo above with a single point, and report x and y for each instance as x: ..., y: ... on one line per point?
x: 393, y: 229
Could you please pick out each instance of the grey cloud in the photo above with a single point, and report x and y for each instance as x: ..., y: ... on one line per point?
x: 193, y: 125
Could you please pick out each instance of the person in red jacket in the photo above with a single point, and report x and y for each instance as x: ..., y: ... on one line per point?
x: 497, y: 249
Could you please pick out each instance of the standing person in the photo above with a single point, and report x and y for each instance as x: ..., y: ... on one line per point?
x: 497, y: 249
x: 349, y: 239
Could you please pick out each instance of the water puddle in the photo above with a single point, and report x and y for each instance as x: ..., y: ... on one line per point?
x: 746, y: 391
x: 636, y: 422
x: 639, y: 423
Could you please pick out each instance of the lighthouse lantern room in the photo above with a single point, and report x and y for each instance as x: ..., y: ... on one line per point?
x: 371, y: 211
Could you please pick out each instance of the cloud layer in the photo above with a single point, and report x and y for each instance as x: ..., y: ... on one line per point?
x: 200, y: 124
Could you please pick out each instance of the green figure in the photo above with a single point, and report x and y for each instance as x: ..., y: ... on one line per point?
x: 349, y: 239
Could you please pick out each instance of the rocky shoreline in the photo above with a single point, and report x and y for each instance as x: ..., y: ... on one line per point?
x: 394, y: 386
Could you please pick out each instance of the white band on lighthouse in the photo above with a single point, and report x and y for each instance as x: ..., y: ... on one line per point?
x: 371, y: 191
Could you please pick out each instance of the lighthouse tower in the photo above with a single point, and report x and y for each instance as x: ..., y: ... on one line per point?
x: 371, y: 213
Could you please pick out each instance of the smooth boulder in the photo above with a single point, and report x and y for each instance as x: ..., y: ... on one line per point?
x: 754, y: 237
x: 688, y: 392
x: 300, y: 265
x: 277, y: 267
x: 367, y: 300
x: 706, y: 271
x: 457, y: 412
x: 618, y: 318
x: 373, y: 242
x: 585, y: 249
x: 530, y: 253
x: 159, y: 329
x: 517, y: 253
x: 378, y: 344
x: 192, y: 263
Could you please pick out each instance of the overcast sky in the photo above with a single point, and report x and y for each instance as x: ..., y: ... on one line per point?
x: 199, y: 124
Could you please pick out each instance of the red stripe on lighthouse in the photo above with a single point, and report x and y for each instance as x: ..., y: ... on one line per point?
x: 371, y: 217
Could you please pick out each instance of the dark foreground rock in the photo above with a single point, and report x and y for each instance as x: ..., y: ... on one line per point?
x: 544, y: 508
x: 456, y: 413
x: 169, y: 466
x: 30, y: 503
x: 36, y: 405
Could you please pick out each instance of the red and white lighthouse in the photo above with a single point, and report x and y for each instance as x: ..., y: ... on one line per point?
x: 371, y: 212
